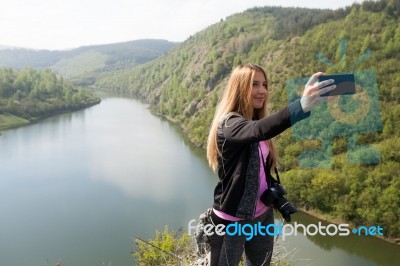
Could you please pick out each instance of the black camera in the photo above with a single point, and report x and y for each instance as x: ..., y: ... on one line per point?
x: 274, y: 196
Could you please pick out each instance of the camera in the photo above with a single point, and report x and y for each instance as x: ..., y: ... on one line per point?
x: 274, y: 196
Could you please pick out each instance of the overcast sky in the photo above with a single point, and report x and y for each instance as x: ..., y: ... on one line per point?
x: 64, y: 24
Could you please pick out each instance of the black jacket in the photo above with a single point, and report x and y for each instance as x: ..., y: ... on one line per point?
x: 238, y: 169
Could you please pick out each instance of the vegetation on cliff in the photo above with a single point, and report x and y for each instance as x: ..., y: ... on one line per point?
x: 28, y: 95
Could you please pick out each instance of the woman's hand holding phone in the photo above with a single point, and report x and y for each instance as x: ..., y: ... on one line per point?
x: 313, y: 91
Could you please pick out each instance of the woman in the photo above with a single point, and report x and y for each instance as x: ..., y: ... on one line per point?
x: 241, y: 150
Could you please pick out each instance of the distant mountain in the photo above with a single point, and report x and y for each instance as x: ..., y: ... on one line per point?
x: 4, y: 47
x: 82, y: 65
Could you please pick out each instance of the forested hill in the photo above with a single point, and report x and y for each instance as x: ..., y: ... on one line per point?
x: 185, y: 85
x: 28, y: 95
x: 82, y: 65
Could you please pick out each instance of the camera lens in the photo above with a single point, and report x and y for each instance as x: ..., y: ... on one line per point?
x: 274, y: 196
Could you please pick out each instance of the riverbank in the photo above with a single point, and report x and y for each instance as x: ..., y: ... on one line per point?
x: 10, y: 121
x: 337, y: 220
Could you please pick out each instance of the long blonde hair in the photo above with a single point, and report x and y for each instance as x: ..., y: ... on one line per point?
x: 237, y: 98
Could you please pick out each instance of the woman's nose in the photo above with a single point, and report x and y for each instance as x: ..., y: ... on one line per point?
x: 262, y: 89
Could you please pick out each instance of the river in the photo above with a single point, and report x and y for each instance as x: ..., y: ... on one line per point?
x: 77, y: 188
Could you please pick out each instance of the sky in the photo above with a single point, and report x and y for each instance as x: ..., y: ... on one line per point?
x: 67, y: 24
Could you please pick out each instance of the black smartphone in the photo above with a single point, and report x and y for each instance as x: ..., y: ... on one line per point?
x: 345, y: 84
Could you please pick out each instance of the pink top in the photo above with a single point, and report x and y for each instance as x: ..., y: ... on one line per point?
x: 261, y: 207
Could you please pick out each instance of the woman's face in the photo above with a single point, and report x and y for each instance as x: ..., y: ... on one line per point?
x: 259, y: 90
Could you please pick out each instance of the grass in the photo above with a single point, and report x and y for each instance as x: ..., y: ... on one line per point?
x: 9, y: 121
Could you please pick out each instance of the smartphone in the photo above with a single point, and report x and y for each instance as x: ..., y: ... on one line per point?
x: 345, y: 84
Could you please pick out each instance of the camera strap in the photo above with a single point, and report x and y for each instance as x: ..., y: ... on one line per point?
x: 277, y: 175
x: 264, y: 163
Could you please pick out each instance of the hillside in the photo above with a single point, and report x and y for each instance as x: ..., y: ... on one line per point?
x: 28, y: 95
x: 292, y: 43
x: 82, y: 65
